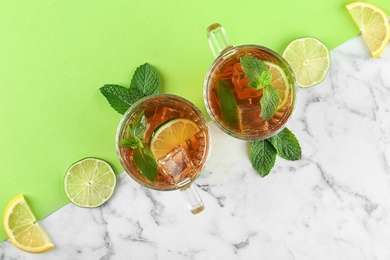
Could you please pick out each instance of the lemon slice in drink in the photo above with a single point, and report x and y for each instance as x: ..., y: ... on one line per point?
x: 374, y: 25
x: 22, y: 228
x: 89, y: 183
x: 310, y: 60
x: 172, y: 134
x: 280, y: 82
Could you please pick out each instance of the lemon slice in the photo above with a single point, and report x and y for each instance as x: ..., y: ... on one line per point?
x: 310, y: 60
x: 374, y: 25
x: 280, y: 82
x: 89, y: 183
x: 171, y: 134
x: 22, y: 228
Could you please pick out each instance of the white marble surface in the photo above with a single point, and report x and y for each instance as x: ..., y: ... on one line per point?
x: 332, y: 204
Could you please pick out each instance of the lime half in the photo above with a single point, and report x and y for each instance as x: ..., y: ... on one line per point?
x: 89, y: 183
x: 310, y: 60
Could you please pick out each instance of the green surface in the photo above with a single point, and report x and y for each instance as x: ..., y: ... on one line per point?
x: 55, y: 55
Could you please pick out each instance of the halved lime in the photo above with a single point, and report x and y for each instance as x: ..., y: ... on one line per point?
x: 310, y: 60
x: 279, y: 81
x: 228, y: 105
x: 171, y: 134
x: 89, y: 183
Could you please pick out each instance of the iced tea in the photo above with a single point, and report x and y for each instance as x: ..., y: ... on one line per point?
x: 227, y: 69
x: 177, y: 134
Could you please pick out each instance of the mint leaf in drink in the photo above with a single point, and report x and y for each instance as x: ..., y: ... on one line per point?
x: 253, y: 69
x: 262, y: 156
x: 132, y: 142
x: 135, y: 133
x: 138, y: 127
x: 143, y: 83
x: 146, y: 163
x: 266, y: 78
x: 118, y: 97
x: 260, y: 78
x: 286, y: 145
x: 228, y: 104
x: 269, y: 102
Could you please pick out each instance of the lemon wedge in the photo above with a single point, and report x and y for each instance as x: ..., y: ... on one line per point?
x: 22, y: 228
x: 374, y: 25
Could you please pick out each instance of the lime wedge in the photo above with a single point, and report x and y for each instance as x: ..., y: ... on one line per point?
x: 310, y: 60
x: 89, y: 183
x: 22, y: 228
x: 280, y: 82
x: 172, y: 134
x: 374, y: 25
x: 228, y: 105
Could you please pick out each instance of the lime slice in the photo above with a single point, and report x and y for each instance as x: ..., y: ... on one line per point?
x: 280, y: 82
x: 172, y: 134
x: 374, y: 25
x: 310, y: 60
x: 228, y: 105
x: 89, y: 183
x: 22, y: 228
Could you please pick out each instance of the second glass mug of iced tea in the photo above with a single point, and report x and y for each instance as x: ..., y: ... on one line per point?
x: 177, y: 134
x: 248, y: 124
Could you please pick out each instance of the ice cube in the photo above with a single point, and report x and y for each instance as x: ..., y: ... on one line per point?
x: 175, y: 166
x: 196, y: 146
x: 250, y: 118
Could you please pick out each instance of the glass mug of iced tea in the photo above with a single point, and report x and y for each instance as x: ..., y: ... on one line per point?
x: 230, y: 98
x: 163, y: 142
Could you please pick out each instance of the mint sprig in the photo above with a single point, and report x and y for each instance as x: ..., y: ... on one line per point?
x: 263, y: 152
x: 146, y: 163
x: 260, y: 78
x: 287, y: 145
x: 253, y: 70
x: 269, y: 102
x: 262, y: 156
x: 143, y: 83
x: 143, y: 158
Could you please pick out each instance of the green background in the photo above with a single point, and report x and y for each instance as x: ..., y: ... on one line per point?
x: 55, y: 55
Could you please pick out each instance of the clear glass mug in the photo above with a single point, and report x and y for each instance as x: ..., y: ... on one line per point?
x: 179, y: 162
x: 227, y: 68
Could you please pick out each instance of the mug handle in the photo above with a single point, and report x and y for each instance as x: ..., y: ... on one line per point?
x: 192, y: 198
x: 218, y: 39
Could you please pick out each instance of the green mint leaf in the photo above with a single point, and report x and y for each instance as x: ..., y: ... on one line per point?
x: 144, y: 82
x: 131, y: 142
x: 146, y: 163
x: 137, y: 128
x: 228, y: 104
x: 286, y: 145
x: 262, y: 156
x: 135, y: 133
x: 269, y: 102
x: 253, y: 69
x: 118, y: 97
x: 266, y: 78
